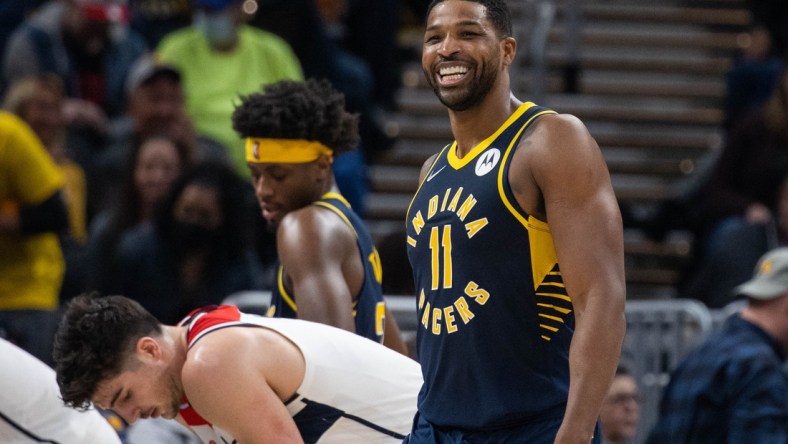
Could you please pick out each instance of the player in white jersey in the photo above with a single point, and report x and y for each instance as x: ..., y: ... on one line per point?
x: 31, y: 410
x: 234, y: 377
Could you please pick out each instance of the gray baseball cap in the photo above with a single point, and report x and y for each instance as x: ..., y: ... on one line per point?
x: 145, y: 68
x: 771, y: 276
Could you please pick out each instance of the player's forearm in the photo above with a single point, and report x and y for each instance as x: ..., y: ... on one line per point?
x: 593, y: 357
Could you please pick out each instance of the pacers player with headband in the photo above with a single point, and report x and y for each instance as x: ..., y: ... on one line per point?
x: 329, y: 270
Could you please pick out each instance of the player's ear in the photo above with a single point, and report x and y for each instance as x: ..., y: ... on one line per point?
x: 148, y: 347
x: 508, y: 50
x: 324, y: 165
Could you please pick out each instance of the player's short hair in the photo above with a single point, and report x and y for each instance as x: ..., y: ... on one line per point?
x: 94, y: 339
x: 496, y: 11
x: 310, y: 110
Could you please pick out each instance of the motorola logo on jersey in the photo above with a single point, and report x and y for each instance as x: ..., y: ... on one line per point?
x: 487, y: 161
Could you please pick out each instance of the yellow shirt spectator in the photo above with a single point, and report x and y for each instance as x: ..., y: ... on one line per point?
x: 31, y: 266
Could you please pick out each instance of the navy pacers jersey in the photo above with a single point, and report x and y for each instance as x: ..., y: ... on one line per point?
x: 368, y: 306
x: 495, y: 320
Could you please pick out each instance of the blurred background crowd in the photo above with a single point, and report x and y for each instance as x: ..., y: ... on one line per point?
x: 120, y: 171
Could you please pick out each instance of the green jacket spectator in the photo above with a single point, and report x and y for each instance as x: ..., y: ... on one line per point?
x: 221, y: 58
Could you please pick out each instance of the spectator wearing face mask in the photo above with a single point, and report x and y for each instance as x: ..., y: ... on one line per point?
x: 197, y: 251
x: 221, y: 57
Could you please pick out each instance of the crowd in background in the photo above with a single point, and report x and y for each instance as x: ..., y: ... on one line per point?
x: 734, y: 206
x: 120, y: 171
x: 125, y: 107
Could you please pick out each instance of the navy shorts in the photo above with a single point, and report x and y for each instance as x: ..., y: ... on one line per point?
x: 537, y: 432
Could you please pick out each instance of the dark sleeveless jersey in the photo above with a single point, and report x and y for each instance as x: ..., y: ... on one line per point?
x: 368, y: 306
x: 495, y: 318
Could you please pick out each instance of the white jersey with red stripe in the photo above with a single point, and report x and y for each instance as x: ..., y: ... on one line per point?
x: 354, y: 390
x: 31, y: 410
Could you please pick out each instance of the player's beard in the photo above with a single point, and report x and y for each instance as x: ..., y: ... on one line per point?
x: 474, y: 92
x: 176, y: 396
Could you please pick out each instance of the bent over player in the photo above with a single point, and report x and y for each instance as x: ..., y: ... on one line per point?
x: 234, y: 377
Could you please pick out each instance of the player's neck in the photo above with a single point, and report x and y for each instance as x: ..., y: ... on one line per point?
x: 329, y: 187
x: 174, y: 342
x: 472, y: 126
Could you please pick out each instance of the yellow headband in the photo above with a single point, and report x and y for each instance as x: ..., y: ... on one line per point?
x: 284, y: 150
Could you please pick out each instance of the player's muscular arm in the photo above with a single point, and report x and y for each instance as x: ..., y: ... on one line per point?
x: 225, y: 380
x: 559, y: 173
x: 312, y: 244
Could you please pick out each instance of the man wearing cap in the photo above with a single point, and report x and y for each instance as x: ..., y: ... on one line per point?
x: 156, y: 106
x: 733, y: 388
x: 329, y: 270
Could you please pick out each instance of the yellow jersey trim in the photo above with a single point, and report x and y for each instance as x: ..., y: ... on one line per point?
x: 542, y: 249
x: 458, y: 163
x: 280, y: 283
x: 337, y: 196
x: 506, y: 155
x: 339, y: 213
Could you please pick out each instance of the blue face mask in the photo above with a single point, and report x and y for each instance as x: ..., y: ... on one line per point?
x: 218, y: 28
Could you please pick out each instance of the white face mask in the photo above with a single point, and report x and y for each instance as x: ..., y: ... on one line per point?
x: 218, y: 28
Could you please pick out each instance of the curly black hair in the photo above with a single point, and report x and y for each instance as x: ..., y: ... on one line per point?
x: 496, y: 11
x: 310, y: 110
x: 93, y: 341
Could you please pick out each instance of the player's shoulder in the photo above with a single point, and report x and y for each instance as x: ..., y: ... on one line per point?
x: 557, y: 124
x: 552, y: 132
x: 555, y: 141
x: 315, y: 222
x: 213, y: 351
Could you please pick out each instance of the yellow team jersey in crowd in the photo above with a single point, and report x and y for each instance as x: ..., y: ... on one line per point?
x: 75, y: 189
x: 31, y: 266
